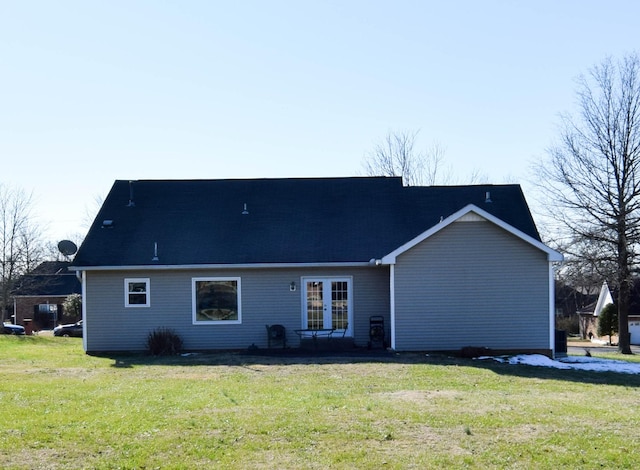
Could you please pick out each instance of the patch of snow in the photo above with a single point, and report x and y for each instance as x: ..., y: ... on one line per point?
x: 598, y: 341
x: 571, y: 362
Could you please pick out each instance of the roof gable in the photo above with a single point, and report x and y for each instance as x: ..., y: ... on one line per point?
x: 471, y: 213
x: 277, y: 221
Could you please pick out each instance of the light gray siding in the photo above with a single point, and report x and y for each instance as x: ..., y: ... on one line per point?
x: 472, y: 284
x: 265, y: 296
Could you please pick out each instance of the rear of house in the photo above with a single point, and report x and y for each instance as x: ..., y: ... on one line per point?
x: 217, y: 260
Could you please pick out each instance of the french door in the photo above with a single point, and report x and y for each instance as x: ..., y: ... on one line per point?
x: 327, y: 304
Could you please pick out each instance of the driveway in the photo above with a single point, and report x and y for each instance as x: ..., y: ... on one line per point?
x: 580, y: 347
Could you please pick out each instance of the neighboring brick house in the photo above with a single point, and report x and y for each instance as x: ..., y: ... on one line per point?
x: 39, y: 295
x: 569, y: 300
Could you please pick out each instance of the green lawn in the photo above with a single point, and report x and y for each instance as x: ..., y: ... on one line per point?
x: 64, y: 409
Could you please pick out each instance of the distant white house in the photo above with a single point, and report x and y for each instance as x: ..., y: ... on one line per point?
x: 589, y: 317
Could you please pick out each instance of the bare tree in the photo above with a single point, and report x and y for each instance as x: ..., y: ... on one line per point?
x: 90, y: 211
x: 397, y: 155
x: 592, y: 178
x: 20, y: 246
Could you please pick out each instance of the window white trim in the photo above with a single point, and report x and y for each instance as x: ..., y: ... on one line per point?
x: 147, y: 292
x: 194, y: 300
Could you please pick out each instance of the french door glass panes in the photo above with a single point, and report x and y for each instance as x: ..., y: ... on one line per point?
x: 339, y: 305
x: 315, y: 305
x: 328, y: 304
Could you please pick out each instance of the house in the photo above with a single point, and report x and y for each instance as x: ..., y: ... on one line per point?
x: 38, y: 296
x: 569, y: 300
x: 589, y: 314
x: 217, y: 260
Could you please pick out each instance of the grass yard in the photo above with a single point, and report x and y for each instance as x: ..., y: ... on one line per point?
x: 64, y: 409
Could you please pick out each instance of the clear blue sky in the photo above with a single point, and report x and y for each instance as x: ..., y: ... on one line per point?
x: 93, y: 91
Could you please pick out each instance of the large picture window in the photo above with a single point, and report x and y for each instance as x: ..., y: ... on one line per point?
x: 216, y: 300
x: 136, y: 293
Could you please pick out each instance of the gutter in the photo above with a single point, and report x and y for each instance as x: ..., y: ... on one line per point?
x: 178, y: 267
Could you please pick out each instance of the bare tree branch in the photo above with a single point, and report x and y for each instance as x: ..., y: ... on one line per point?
x: 397, y: 155
x: 20, y: 245
x: 592, y: 177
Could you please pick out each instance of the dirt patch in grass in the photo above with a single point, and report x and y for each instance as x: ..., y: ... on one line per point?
x: 420, y: 396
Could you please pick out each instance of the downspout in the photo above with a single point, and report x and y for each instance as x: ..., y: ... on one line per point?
x: 392, y: 305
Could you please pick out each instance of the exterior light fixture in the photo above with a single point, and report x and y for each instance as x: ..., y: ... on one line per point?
x: 292, y: 286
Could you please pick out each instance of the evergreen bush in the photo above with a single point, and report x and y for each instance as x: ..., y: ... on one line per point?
x: 164, y: 342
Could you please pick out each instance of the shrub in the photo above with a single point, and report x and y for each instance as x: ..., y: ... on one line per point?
x: 608, y: 321
x: 164, y: 342
x: 72, y: 305
x: 569, y: 323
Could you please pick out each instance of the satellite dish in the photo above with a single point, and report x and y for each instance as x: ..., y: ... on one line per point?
x: 67, y: 247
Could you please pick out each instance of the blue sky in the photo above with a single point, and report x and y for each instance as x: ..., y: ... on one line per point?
x: 93, y: 91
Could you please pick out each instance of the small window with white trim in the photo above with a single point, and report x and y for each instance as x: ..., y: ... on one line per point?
x: 216, y: 300
x: 136, y: 292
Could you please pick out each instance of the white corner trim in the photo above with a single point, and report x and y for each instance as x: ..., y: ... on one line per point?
x: 84, y: 311
x: 392, y: 302
x: 552, y: 312
x: 468, y: 213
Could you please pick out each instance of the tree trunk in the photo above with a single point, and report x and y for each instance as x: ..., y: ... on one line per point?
x: 624, y: 345
x: 624, y: 291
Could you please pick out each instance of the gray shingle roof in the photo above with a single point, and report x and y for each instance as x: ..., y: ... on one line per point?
x: 50, y: 278
x: 294, y: 220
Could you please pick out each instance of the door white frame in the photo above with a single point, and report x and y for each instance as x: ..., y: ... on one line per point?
x: 327, y: 300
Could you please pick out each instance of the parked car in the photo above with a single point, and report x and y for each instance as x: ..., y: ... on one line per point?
x: 72, y: 329
x: 11, y: 329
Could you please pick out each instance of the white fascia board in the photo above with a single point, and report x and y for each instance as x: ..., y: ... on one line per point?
x: 552, y: 255
x: 182, y: 267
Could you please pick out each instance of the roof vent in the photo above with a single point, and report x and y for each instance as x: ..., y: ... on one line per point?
x: 155, y: 252
x: 245, y: 211
x: 107, y: 223
x: 487, y: 197
x: 131, y: 203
